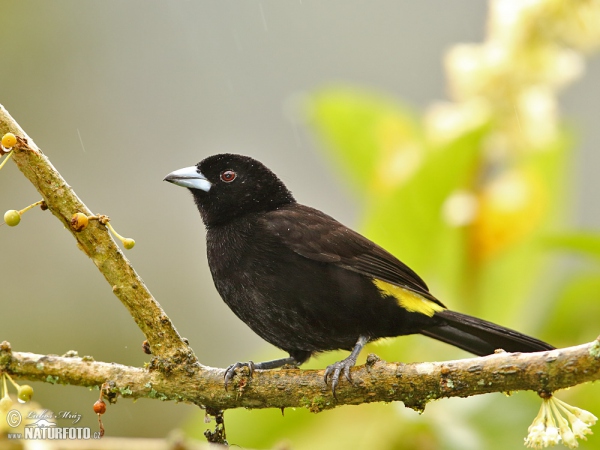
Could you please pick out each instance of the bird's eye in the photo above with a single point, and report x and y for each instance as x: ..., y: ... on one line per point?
x: 228, y: 176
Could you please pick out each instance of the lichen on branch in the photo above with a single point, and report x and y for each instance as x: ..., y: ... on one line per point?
x: 414, y: 384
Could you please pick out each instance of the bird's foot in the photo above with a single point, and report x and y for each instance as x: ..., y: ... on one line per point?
x: 231, y: 370
x: 265, y: 365
x: 334, y: 371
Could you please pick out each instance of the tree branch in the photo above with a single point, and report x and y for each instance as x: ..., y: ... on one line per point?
x: 175, y: 373
x: 95, y: 241
x: 414, y: 384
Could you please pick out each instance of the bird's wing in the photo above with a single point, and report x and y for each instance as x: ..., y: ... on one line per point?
x: 317, y: 236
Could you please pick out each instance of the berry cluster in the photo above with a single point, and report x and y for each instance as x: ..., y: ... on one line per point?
x: 79, y: 221
x: 24, y: 393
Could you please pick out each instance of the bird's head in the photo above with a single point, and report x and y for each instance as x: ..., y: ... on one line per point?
x: 229, y: 186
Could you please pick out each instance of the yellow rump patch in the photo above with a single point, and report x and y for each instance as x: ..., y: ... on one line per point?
x: 409, y: 300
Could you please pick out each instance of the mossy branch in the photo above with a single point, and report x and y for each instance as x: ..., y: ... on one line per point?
x: 175, y: 373
x: 414, y: 384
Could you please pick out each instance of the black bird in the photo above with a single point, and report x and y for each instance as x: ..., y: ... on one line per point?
x: 306, y: 283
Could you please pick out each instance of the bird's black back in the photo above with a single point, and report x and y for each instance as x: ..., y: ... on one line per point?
x: 296, y: 302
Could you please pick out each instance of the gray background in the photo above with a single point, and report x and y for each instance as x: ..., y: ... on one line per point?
x: 118, y: 94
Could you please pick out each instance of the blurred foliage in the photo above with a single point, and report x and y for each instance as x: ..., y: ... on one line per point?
x: 487, y: 263
x: 474, y: 196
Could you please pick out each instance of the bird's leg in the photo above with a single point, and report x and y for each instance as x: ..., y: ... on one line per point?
x: 333, y: 371
x: 265, y: 365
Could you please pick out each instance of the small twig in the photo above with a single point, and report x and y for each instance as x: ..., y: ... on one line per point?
x: 5, y: 159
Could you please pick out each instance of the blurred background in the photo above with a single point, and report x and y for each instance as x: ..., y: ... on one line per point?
x: 475, y: 164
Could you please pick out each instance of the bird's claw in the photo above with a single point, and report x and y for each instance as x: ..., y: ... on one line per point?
x: 334, y: 371
x: 231, y: 370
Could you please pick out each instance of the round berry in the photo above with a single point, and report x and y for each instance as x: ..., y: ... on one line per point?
x: 79, y: 221
x: 24, y: 393
x: 9, y: 140
x: 128, y: 243
x: 12, y: 217
x: 100, y: 407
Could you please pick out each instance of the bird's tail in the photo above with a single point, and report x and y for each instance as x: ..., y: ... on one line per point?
x: 480, y: 336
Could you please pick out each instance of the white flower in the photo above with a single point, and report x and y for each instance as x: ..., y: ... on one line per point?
x: 460, y: 208
x: 479, y: 70
x: 566, y: 67
x: 552, y: 436
x: 445, y: 121
x: 580, y: 419
x: 551, y: 427
x: 511, y: 20
x: 537, y: 116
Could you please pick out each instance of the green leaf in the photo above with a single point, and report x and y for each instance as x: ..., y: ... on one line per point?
x: 408, y: 220
x: 574, y: 317
x: 355, y: 125
x: 587, y: 243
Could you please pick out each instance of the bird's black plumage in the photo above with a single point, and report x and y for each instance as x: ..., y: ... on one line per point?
x: 306, y: 283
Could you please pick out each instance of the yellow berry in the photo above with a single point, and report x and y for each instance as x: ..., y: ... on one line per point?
x: 24, y: 393
x: 9, y: 140
x: 12, y: 217
x: 128, y: 243
x: 79, y: 221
